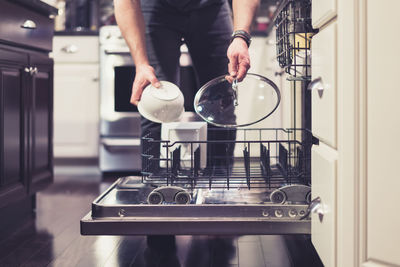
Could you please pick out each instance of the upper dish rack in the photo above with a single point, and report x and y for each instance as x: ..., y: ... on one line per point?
x: 293, y: 38
x: 264, y: 158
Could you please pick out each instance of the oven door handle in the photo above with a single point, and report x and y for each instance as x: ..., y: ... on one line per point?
x: 117, y: 52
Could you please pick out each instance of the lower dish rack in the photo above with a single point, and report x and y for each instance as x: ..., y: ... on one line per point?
x: 256, y: 181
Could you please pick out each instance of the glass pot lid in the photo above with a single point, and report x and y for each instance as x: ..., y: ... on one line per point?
x: 239, y: 104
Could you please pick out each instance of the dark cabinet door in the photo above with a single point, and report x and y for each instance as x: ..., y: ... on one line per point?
x: 41, y: 122
x: 13, y: 126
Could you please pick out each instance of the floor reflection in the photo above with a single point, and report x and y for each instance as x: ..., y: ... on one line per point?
x: 193, y: 251
x: 211, y: 251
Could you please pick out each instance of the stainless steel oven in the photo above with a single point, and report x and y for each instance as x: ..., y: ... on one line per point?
x: 119, y: 119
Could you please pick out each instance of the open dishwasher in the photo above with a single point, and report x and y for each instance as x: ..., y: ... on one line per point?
x: 265, y: 188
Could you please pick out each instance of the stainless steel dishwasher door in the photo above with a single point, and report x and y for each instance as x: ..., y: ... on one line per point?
x: 237, y: 211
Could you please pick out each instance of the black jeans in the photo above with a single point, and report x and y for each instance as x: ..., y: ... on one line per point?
x: 206, y: 31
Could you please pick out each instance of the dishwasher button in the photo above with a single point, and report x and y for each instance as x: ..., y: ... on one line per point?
x: 265, y: 213
x: 121, y: 213
x: 278, y: 213
x: 293, y: 213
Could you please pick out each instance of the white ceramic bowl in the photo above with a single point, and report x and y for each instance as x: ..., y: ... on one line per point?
x: 164, y: 104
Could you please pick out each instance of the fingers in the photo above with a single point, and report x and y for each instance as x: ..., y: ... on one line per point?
x: 244, y: 66
x: 232, y: 66
x: 154, y: 81
x: 144, y: 76
x: 137, y: 90
x: 229, y: 78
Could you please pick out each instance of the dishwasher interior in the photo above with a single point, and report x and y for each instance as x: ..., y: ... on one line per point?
x: 263, y: 189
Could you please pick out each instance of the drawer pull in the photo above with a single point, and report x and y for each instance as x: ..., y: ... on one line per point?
x: 315, y: 207
x: 70, y: 49
x: 317, y: 85
x: 29, y: 24
x: 31, y: 70
x: 34, y: 71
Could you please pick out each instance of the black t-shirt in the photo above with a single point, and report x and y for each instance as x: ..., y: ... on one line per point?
x: 181, y: 5
x: 191, y: 4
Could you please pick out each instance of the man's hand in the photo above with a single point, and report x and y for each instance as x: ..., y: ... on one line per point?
x: 144, y: 76
x: 239, y: 60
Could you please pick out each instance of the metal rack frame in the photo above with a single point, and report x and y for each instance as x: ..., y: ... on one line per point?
x: 293, y: 38
x: 280, y: 161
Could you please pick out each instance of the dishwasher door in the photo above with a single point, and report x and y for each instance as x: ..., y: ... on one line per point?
x: 239, y: 211
x: 261, y: 185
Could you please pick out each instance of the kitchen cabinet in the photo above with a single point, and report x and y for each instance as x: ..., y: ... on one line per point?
x: 76, y: 96
x: 323, y: 12
x: 41, y: 122
x: 13, y: 127
x: 26, y: 108
x: 323, y: 68
x: 26, y: 116
x: 359, y: 174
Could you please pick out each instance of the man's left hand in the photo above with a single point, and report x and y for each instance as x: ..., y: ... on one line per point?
x: 239, y: 60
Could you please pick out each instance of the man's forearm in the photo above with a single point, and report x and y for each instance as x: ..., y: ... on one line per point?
x: 243, y: 13
x: 130, y: 20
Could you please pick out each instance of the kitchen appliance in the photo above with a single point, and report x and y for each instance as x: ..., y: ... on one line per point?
x: 264, y: 190
x: 119, y: 119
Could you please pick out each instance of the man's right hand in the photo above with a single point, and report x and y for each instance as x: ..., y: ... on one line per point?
x: 144, y: 76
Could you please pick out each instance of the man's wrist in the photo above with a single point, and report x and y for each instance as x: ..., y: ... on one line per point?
x: 241, y: 40
x: 142, y: 64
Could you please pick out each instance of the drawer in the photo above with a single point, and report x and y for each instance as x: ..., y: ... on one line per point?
x: 322, y: 11
x: 76, y: 49
x: 323, y: 227
x: 23, y: 26
x: 323, y: 85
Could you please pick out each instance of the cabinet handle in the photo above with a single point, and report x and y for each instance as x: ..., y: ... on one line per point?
x: 315, y: 207
x: 317, y: 84
x: 33, y: 70
x: 29, y: 24
x: 70, y: 49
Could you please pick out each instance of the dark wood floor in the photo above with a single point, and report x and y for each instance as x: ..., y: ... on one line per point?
x: 53, y: 237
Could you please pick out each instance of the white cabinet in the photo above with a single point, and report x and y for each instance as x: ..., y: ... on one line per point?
x: 380, y: 112
x: 74, y: 49
x: 324, y: 85
x: 323, y: 175
x: 355, y: 173
x: 322, y: 11
x: 76, y: 96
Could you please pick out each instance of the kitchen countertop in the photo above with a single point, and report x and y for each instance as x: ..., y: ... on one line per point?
x: 37, y: 5
x: 77, y: 33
